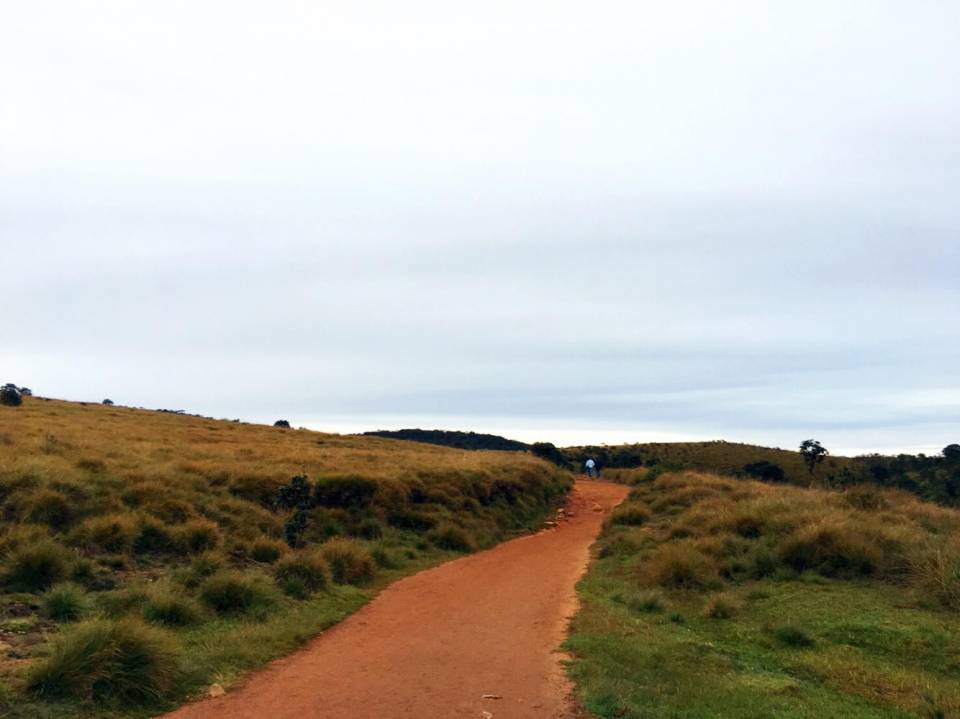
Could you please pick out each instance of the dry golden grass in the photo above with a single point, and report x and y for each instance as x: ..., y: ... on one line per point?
x: 117, y: 499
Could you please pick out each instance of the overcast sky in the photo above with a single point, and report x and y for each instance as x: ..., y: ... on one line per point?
x: 579, y: 222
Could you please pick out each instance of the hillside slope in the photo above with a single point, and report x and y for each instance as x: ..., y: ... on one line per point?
x: 160, y: 535
x: 732, y: 599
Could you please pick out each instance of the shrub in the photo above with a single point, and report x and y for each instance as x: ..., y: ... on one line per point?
x: 65, y: 602
x: 793, y: 636
x: 168, y: 509
x: 721, y: 607
x: 10, y: 396
x: 34, y: 567
x: 267, y: 551
x: 203, y: 566
x: 256, y: 488
x: 350, y: 492
x: 831, y: 549
x: 452, y: 538
x: 682, y: 566
x: 384, y: 558
x: 229, y: 592
x: 349, y: 562
x: 121, y: 602
x: 367, y: 529
x: 198, y: 535
x: 282, y: 423
x: 90, y: 464
x: 49, y: 507
x: 168, y: 606
x: 103, y: 660
x: 647, y: 602
x: 153, y: 537
x: 409, y: 519
x: 766, y: 471
x: 109, y: 533
x: 937, y: 571
x: 630, y: 515
x: 301, y: 573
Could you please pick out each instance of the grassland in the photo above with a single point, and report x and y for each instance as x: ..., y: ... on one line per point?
x: 145, y: 558
x: 731, y: 598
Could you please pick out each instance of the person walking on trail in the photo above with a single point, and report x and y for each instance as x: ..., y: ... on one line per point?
x: 589, y: 466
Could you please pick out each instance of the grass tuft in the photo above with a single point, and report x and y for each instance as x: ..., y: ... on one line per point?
x: 124, y: 662
x: 65, y: 602
x: 350, y: 562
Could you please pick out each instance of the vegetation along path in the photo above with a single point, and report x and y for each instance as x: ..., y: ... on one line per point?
x: 475, y: 637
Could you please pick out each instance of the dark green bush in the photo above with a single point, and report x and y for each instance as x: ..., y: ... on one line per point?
x: 348, y: 492
x: 65, y: 602
x: 34, y: 567
x: 166, y: 605
x: 793, y: 636
x: 126, y: 662
x: 367, y: 529
x: 451, y: 537
x: 412, y: 520
x: 230, y: 592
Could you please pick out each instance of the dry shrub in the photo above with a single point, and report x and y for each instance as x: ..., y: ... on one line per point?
x: 722, y: 607
x: 49, y: 507
x: 301, y: 573
x: 350, y: 563
x: 153, y: 537
x: 833, y: 548
x: 267, y: 550
x: 112, y: 533
x: 680, y: 565
x: 936, y: 569
x: 632, y: 514
x: 197, y: 535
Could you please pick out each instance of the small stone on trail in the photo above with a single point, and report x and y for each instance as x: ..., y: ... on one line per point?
x: 486, y: 715
x: 215, y: 691
x: 491, y: 696
x: 597, y: 508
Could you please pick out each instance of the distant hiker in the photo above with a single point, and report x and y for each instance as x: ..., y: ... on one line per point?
x: 588, y: 466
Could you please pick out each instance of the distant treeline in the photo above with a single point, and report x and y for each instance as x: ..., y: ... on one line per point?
x: 450, y: 438
x: 933, y: 478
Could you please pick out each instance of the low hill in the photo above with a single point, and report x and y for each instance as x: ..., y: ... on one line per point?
x: 732, y: 599
x: 147, y: 555
x: 452, y: 438
x: 933, y: 478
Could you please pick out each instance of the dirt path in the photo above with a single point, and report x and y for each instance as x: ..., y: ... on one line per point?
x: 433, y: 644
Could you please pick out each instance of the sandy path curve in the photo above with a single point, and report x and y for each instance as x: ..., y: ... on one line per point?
x: 433, y: 644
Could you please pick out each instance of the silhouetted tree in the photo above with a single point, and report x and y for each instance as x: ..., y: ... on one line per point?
x: 764, y: 470
x: 10, y: 395
x: 548, y: 451
x: 951, y: 453
x: 813, y: 453
x: 108, y: 402
x: 282, y: 423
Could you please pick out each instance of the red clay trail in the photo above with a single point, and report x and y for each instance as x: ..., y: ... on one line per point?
x: 433, y: 644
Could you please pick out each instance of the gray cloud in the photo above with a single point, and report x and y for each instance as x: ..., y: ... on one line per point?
x: 624, y: 222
